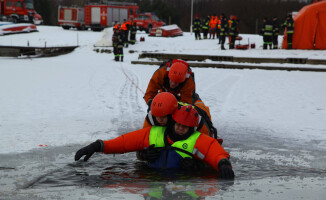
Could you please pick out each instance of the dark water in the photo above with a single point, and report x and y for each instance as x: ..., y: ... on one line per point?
x: 124, y: 173
x: 255, y: 158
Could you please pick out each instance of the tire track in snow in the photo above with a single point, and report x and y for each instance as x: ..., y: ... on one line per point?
x: 100, y: 91
x: 131, y: 114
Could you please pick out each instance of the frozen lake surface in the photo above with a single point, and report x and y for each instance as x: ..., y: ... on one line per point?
x: 273, y: 123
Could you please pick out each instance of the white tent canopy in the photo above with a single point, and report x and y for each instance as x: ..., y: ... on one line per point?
x: 106, y: 40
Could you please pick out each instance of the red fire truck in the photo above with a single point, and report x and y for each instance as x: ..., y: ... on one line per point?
x: 96, y: 16
x: 19, y: 11
x: 71, y: 17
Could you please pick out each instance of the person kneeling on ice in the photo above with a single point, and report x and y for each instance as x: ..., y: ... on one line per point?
x: 174, y: 76
x: 160, y: 111
x: 176, y: 144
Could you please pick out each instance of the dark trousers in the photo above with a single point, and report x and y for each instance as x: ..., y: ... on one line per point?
x: 267, y: 41
x: 205, y: 32
x: 118, y: 53
x: 289, y: 40
x: 232, y: 41
x: 275, y: 41
x: 197, y: 34
x: 222, y: 41
x: 132, y: 38
x: 125, y: 37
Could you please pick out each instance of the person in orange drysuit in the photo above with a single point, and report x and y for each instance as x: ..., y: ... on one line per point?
x: 178, y: 145
x: 174, y: 76
x: 162, y: 115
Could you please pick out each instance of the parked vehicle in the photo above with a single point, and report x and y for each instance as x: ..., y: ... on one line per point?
x: 19, y: 11
x: 71, y: 17
x: 96, y: 16
x: 147, y: 21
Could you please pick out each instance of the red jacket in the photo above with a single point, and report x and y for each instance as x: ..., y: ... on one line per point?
x: 212, y: 151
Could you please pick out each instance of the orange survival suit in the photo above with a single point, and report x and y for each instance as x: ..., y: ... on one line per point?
x: 205, y: 125
x: 160, y: 83
x: 206, y: 148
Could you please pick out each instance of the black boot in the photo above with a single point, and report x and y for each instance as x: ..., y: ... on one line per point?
x: 121, y: 58
x: 222, y: 47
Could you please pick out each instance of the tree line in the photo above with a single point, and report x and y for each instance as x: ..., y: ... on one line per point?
x: 249, y: 12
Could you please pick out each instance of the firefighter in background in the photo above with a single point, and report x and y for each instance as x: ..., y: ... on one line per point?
x: 125, y: 31
x: 176, y: 144
x: 115, y: 40
x: 223, y: 30
x: 120, y: 44
x: 133, y: 31
x: 233, y: 31
x: 289, y: 25
x: 116, y: 26
x: 267, y: 32
x: 196, y: 26
x: 213, y: 26
x: 219, y: 30
x: 205, y: 26
x: 276, y: 30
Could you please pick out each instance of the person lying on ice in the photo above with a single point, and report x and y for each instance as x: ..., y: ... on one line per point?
x: 176, y: 143
x: 160, y: 111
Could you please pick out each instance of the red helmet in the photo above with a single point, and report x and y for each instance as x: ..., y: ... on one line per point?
x: 178, y: 72
x: 187, y: 116
x: 163, y: 104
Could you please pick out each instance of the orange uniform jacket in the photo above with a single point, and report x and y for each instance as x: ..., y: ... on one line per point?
x: 208, y: 147
x: 124, y: 26
x: 156, y: 85
x: 213, y: 22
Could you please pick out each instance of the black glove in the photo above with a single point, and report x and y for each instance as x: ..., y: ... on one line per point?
x: 89, y: 150
x: 187, y: 163
x: 225, y: 170
x: 150, y: 154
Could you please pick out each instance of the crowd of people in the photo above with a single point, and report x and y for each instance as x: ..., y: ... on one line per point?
x: 178, y: 132
x: 270, y: 32
x: 123, y: 35
x: 217, y: 27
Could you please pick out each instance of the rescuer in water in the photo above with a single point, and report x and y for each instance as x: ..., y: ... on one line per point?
x: 176, y: 144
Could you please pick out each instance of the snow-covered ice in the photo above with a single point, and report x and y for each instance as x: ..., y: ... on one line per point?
x: 49, y: 107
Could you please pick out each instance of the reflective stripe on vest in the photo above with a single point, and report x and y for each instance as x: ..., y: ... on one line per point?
x: 156, y: 137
